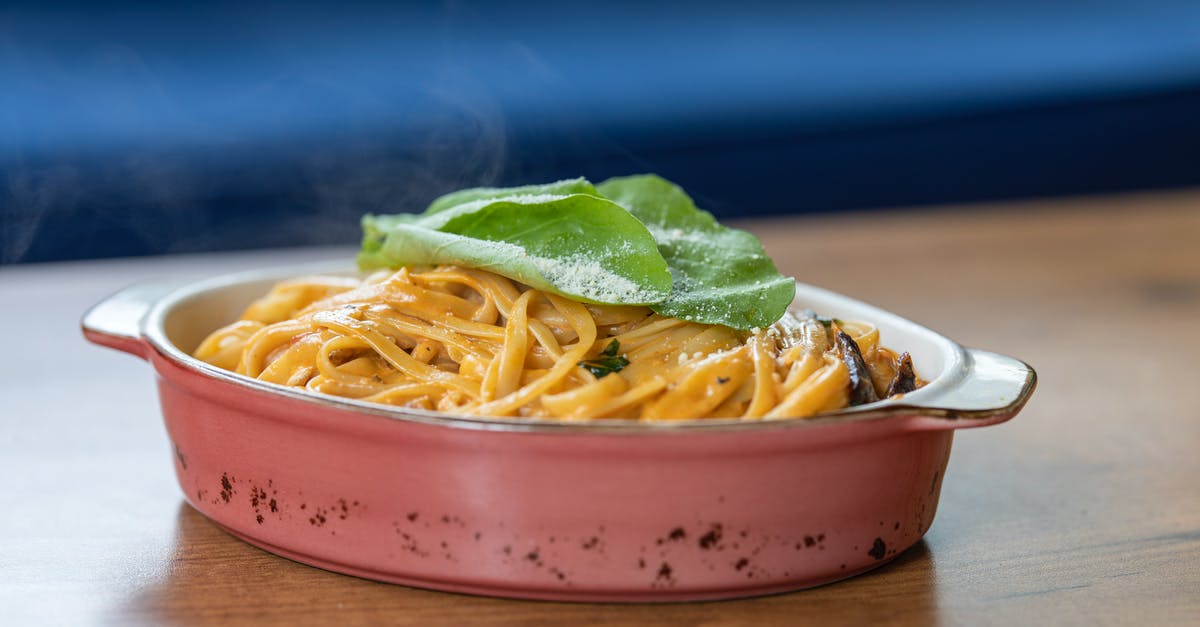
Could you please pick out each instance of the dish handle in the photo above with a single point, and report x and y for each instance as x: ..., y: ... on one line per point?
x: 994, y: 388
x: 116, y: 322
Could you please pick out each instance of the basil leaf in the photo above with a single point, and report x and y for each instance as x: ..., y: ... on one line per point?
x: 558, y: 188
x: 375, y: 229
x: 580, y: 246
x: 721, y: 275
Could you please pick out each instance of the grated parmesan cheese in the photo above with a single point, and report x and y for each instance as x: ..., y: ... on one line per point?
x: 589, y: 279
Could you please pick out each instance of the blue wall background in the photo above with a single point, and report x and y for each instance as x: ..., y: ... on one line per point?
x: 128, y: 130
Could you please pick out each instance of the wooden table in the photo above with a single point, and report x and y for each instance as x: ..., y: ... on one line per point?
x: 1085, y: 509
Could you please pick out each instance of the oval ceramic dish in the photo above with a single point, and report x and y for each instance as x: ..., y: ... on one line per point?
x: 602, y: 510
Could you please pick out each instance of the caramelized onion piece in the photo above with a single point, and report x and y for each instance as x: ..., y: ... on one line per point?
x: 906, y: 380
x: 862, y: 391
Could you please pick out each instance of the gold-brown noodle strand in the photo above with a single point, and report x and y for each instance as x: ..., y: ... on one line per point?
x: 471, y: 342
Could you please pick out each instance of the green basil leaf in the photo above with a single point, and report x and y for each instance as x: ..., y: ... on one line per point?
x: 581, y: 246
x: 375, y: 229
x: 721, y: 275
x: 558, y: 188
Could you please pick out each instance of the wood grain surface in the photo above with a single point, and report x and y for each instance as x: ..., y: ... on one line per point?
x: 1085, y: 509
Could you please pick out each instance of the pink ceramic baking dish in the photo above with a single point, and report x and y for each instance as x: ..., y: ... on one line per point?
x: 604, y: 510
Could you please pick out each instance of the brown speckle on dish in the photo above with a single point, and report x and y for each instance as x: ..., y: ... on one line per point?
x: 257, y: 495
x: 665, y: 574
x: 711, y: 539
x: 227, y: 491
x: 410, y: 544
x: 261, y: 502
x: 878, y: 549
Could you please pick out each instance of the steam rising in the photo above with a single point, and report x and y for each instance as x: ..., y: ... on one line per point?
x: 130, y: 157
x: 464, y: 143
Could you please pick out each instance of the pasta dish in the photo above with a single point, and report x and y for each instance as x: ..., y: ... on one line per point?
x: 469, y: 341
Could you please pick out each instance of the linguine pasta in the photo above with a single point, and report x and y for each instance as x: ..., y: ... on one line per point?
x: 468, y: 341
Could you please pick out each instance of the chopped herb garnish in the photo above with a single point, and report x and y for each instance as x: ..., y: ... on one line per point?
x: 602, y: 367
x: 829, y: 322
x: 607, y: 363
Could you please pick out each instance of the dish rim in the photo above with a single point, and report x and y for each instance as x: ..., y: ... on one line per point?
x: 957, y: 368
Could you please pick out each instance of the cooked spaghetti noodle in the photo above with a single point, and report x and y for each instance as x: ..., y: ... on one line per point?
x: 472, y: 342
